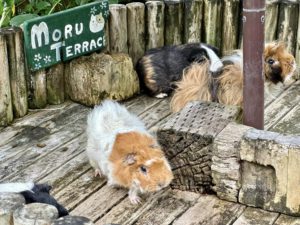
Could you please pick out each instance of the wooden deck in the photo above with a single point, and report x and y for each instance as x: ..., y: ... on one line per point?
x: 48, y: 146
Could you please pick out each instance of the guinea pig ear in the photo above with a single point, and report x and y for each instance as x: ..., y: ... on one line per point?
x: 130, y: 159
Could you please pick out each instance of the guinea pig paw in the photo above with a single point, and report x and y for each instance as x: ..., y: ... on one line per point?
x: 98, y: 173
x: 134, y: 199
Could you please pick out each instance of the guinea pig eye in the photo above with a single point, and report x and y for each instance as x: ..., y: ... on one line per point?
x: 270, y: 61
x: 143, y: 169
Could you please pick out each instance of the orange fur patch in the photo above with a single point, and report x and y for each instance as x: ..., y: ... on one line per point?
x: 144, y: 150
x: 149, y: 73
x: 193, y: 86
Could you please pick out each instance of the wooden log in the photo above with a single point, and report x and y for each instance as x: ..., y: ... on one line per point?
x: 37, y: 89
x: 35, y: 213
x: 230, y: 25
x: 9, y: 202
x: 106, y: 40
x: 17, y: 71
x: 6, y: 110
x: 213, y: 20
x: 136, y: 30
x: 100, y: 76
x: 72, y: 220
x: 155, y: 24
x: 118, y: 28
x: 55, y: 84
x: 173, y: 22
x: 288, y: 24
x: 193, y: 11
x: 271, y: 18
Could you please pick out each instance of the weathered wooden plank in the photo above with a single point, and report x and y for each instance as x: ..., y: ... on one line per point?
x: 231, y: 9
x: 209, y: 210
x: 98, y: 203
x: 288, y: 24
x: 213, y: 22
x: 157, y: 208
x: 287, y: 220
x: 173, y: 22
x: 22, y: 156
x: 49, y: 163
x: 67, y: 173
x: 17, y: 72
x: 272, y: 7
x: 118, y: 28
x: 155, y: 24
x: 156, y: 113
x: 142, y: 104
x: 6, y: 110
x: 76, y: 192
x: 55, y: 84
x: 72, y: 220
x: 282, y: 105
x: 136, y: 30
x: 289, y: 123
x: 193, y: 10
x: 256, y: 216
x: 33, y: 118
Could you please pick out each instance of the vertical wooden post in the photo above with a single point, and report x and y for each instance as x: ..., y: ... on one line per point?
x: 16, y: 60
x: 230, y: 25
x: 288, y: 23
x: 173, y: 22
x: 297, y: 76
x: 213, y: 16
x: 136, y: 30
x: 6, y: 111
x: 37, y: 89
x: 155, y: 24
x: 193, y: 11
x: 271, y: 20
x: 118, y: 28
x: 253, y: 46
x: 55, y: 84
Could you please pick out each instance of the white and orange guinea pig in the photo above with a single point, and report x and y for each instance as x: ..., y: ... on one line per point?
x: 120, y: 147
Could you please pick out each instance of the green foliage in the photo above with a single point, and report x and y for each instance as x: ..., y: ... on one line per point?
x: 27, y: 9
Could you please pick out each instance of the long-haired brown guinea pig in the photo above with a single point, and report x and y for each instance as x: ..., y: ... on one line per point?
x: 120, y: 147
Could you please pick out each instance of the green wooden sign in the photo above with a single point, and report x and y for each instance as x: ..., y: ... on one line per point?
x: 65, y: 35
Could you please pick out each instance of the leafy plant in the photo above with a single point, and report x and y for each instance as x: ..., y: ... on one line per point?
x: 7, y: 11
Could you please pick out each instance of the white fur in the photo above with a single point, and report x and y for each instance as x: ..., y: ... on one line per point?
x: 103, y: 124
x: 16, y: 187
x: 215, y: 62
x: 236, y: 57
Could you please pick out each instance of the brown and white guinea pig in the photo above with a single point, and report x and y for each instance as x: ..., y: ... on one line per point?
x: 226, y: 86
x: 120, y: 147
x: 160, y: 68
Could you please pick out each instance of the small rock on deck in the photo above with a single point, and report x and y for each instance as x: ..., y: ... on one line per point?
x: 48, y: 146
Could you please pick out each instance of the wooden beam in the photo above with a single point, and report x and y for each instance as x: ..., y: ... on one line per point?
x: 253, y: 45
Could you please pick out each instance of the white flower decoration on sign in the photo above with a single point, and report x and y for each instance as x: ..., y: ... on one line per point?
x: 47, y: 59
x: 37, y: 57
x: 93, y: 10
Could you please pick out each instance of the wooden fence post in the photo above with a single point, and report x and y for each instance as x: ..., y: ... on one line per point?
x: 6, y: 110
x: 193, y: 11
x: 173, y: 22
x: 55, y: 84
x: 37, y: 89
x: 213, y: 22
x: 231, y: 16
x: 288, y: 24
x: 253, y: 46
x: 118, y: 28
x: 16, y: 61
x: 272, y: 7
x: 136, y: 30
x: 9, y: 202
x: 155, y: 24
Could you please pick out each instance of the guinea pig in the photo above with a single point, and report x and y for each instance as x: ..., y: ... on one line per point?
x: 120, y: 147
x: 160, y: 68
